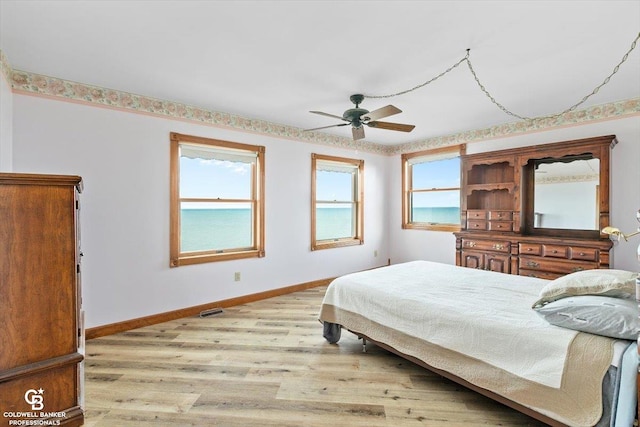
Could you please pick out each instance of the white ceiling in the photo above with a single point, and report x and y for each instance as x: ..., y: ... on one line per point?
x: 276, y: 60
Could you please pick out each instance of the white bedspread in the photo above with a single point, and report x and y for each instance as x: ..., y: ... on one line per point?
x: 484, y: 315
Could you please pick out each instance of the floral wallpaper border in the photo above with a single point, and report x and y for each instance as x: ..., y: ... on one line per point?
x: 5, y: 68
x: 628, y: 107
x: 567, y: 178
x: 24, y: 81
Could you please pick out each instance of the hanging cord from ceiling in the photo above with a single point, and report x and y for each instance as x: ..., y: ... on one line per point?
x: 499, y: 105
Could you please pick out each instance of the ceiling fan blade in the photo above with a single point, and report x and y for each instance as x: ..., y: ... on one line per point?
x: 387, y: 111
x: 391, y: 126
x: 358, y: 133
x: 326, y: 127
x: 329, y: 115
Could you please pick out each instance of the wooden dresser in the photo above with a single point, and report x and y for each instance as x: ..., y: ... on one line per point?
x: 499, y: 229
x: 542, y: 257
x: 41, y: 337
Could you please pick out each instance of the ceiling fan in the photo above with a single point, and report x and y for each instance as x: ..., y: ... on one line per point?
x: 359, y: 117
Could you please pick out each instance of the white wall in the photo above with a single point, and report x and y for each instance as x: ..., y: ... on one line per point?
x: 409, y: 245
x: 124, y: 161
x: 6, y: 125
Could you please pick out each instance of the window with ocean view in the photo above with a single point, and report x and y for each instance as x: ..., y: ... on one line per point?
x: 337, y: 196
x: 217, y: 202
x: 431, y: 189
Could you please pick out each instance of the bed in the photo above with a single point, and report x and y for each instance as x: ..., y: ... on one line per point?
x: 479, y: 329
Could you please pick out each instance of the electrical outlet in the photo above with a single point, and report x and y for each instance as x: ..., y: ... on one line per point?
x: 236, y: 276
x: 375, y: 253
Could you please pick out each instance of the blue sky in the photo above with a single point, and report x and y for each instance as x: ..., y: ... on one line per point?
x: 440, y: 173
x: 332, y: 186
x: 224, y: 179
x: 214, y: 178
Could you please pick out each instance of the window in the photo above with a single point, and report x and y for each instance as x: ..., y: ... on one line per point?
x: 217, y: 200
x: 337, y: 202
x: 431, y: 189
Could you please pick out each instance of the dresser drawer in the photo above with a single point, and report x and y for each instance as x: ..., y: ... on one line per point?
x: 487, y: 245
x: 555, y: 251
x: 476, y: 214
x: 501, y: 215
x: 539, y: 274
x: 586, y: 254
x: 500, y: 226
x: 530, y: 249
x: 476, y: 224
x: 554, y: 266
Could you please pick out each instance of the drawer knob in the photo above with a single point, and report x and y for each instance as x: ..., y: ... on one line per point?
x: 554, y: 251
x: 471, y: 244
x: 498, y: 246
x: 529, y: 249
x: 582, y: 254
x: 532, y: 264
x: 499, y: 225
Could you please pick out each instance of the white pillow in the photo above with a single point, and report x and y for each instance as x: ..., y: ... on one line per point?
x: 607, y: 316
x: 603, y: 282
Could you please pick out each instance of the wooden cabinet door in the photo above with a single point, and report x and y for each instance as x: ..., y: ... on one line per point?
x: 486, y: 261
x: 499, y: 263
x: 472, y: 259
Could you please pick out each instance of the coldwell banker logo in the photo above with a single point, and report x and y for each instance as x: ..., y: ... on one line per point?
x: 35, y: 399
x: 38, y: 417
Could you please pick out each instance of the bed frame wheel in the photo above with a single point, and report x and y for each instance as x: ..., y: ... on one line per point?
x: 364, y: 344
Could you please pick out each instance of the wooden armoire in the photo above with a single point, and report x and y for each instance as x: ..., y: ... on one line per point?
x: 41, y: 331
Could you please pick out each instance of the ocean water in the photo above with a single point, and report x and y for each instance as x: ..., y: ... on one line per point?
x: 441, y: 215
x: 217, y: 229
x: 333, y: 223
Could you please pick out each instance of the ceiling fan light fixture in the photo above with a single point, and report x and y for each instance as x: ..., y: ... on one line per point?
x: 357, y: 132
x: 358, y: 117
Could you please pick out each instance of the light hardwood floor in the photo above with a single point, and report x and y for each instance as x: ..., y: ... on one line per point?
x: 267, y: 364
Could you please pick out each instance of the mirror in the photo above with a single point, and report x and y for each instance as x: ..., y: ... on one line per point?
x: 566, y: 193
x: 565, y: 188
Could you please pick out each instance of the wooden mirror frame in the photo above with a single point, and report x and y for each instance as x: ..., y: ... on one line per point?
x: 598, y: 147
